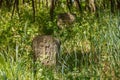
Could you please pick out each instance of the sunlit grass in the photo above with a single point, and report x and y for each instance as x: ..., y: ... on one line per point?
x: 89, y: 50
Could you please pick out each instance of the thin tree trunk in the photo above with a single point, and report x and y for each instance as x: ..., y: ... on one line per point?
x: 33, y: 7
x: 78, y: 5
x: 52, y: 6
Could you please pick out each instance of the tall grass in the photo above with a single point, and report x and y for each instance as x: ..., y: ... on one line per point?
x: 89, y: 49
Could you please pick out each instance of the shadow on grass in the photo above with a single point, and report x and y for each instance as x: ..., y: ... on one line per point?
x: 73, y: 61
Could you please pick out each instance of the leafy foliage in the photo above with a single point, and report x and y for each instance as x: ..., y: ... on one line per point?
x: 89, y: 48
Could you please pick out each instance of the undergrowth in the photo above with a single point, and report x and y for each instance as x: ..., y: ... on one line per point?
x: 90, y: 49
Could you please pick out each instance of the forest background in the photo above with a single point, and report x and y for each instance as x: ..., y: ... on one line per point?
x: 90, y: 47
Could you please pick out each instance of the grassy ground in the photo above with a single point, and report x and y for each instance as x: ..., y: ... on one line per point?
x: 90, y: 49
